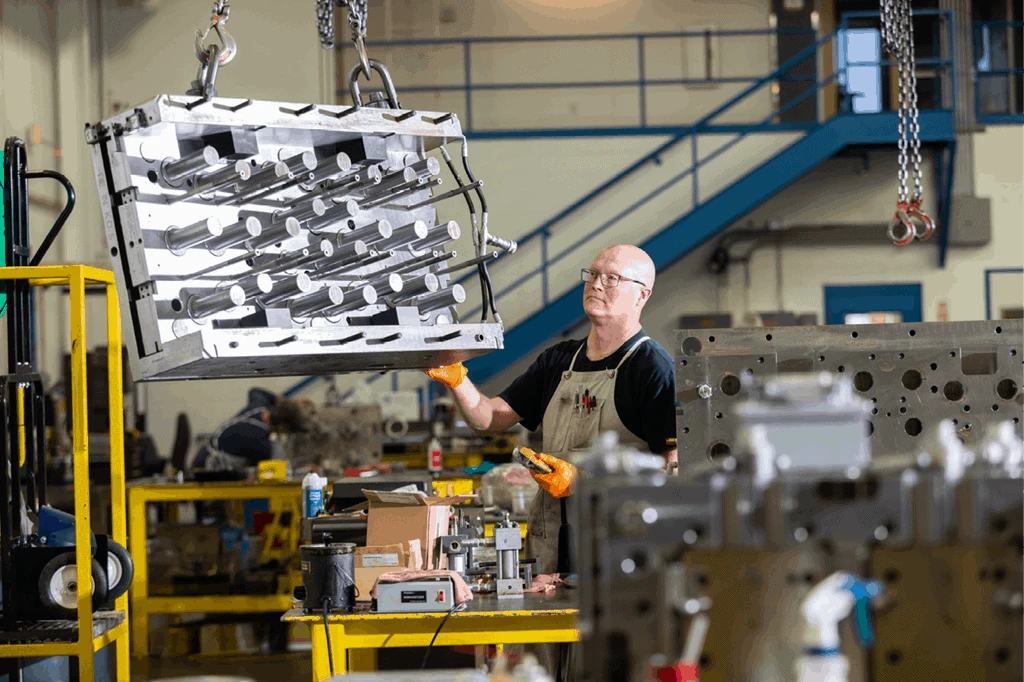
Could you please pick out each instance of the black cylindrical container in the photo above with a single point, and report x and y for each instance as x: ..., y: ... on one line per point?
x: 328, y: 573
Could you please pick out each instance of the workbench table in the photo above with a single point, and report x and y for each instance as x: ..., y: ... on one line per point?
x: 533, y: 619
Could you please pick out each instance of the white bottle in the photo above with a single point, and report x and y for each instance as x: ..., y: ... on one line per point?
x: 313, y: 494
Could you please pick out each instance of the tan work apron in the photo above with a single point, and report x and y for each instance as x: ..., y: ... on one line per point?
x: 570, y: 427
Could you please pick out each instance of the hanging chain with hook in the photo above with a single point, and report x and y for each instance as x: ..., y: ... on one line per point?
x: 897, y: 32
x: 213, y: 56
x: 357, y: 11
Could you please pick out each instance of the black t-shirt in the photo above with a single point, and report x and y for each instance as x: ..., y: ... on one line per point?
x: 645, y: 390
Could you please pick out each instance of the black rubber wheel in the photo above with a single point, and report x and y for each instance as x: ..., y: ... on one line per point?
x: 58, y: 586
x: 120, y: 570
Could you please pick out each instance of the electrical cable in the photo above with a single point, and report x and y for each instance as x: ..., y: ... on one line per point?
x: 327, y: 635
x: 484, y: 274
x: 454, y: 609
x: 473, y: 222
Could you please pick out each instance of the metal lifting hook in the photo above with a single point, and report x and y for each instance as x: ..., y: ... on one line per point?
x: 910, y: 223
x: 927, y: 224
x: 228, y: 48
x: 901, y: 229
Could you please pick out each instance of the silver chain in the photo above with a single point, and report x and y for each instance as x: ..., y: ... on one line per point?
x: 915, y: 128
x: 357, y: 10
x: 897, y: 33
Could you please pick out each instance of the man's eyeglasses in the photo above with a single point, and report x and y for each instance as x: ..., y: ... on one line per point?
x: 609, y: 280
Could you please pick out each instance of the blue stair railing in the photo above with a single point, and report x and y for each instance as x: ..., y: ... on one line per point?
x: 544, y: 233
x: 997, y: 72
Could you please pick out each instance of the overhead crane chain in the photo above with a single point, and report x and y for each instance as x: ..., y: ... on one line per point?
x: 910, y: 221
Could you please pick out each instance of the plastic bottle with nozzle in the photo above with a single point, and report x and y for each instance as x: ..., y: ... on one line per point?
x: 827, y: 604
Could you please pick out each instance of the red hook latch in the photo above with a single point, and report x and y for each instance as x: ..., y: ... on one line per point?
x: 901, y: 228
x: 928, y: 226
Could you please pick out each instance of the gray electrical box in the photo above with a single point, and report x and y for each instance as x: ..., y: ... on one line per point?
x: 970, y: 221
x: 416, y: 596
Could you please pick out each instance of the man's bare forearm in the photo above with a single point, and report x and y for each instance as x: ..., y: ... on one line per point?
x: 475, y: 407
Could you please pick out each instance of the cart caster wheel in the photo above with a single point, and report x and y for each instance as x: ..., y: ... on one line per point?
x: 58, y: 585
x: 120, y: 570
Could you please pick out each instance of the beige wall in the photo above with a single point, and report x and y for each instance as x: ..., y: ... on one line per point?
x: 589, y: 61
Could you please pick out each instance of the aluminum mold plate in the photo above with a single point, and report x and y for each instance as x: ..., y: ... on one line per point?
x: 915, y: 375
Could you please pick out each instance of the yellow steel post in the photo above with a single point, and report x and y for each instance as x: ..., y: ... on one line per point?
x: 321, y: 662
x: 80, y: 458
x: 21, y: 426
x: 117, y: 475
x: 139, y: 590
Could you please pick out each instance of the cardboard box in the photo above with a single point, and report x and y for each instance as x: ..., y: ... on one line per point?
x: 372, y: 561
x: 398, y: 518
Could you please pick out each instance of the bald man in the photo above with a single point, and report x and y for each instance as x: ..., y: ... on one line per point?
x: 617, y: 379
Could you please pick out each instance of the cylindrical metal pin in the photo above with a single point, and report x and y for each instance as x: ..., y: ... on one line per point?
x: 321, y: 253
x: 302, y: 163
x: 443, y: 298
x: 338, y: 164
x: 190, y: 164
x: 370, y: 234
x: 180, y: 239
x: 217, y: 302
x: 257, y: 285
x: 317, y: 302
x: 236, y: 234
x: 417, y: 286
x: 289, y: 288
x: 261, y: 180
x: 336, y: 213
x: 354, y: 300
x: 314, y: 209
x: 386, y: 285
x: 345, y: 258
x: 237, y: 172
x: 277, y: 232
x: 394, y: 182
x: 428, y: 166
x: 441, y: 234
x: 406, y: 234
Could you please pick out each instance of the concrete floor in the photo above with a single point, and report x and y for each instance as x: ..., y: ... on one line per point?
x: 275, y: 668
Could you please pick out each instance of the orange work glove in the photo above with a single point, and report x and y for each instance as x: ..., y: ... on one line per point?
x: 561, y: 479
x: 450, y: 375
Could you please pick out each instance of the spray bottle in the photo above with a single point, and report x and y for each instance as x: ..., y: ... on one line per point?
x: 313, y: 494
x: 828, y: 603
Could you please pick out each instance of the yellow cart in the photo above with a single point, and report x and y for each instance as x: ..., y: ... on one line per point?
x: 94, y: 631
x: 534, y: 619
x: 279, y: 493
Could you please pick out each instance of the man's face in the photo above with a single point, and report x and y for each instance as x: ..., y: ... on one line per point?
x: 604, y: 302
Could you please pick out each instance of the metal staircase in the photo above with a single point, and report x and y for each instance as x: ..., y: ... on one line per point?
x: 677, y: 237
x: 695, y: 185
